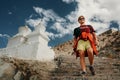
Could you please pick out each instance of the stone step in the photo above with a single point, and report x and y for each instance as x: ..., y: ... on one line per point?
x: 106, y: 69
x: 86, y: 78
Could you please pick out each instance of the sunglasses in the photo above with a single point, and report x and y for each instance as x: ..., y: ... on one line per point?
x: 82, y: 19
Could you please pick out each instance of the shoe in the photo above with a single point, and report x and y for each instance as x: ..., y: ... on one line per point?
x: 92, y: 70
x: 83, y: 73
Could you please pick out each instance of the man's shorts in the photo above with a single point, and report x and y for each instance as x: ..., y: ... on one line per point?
x: 83, y: 45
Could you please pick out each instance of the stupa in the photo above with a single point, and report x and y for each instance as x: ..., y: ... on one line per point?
x: 30, y: 45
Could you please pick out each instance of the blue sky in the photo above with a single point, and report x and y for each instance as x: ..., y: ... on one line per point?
x: 58, y: 16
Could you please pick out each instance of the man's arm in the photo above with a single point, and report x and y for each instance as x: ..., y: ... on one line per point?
x: 95, y: 38
x: 94, y: 35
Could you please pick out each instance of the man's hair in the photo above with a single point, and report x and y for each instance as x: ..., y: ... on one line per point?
x: 80, y: 17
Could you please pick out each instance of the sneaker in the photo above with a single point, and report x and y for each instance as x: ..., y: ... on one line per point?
x: 92, y: 70
x: 83, y: 73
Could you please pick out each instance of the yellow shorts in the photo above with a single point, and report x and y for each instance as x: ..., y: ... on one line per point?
x: 83, y: 45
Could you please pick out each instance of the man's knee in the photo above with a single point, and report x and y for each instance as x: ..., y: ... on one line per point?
x: 81, y: 53
x: 90, y: 50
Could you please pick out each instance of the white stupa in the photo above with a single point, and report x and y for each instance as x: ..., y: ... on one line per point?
x: 30, y: 45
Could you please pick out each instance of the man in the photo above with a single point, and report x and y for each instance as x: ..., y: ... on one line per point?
x: 84, y: 44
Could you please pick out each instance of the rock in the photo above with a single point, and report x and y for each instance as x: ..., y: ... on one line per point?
x: 18, y: 76
x: 7, y: 71
x: 34, y: 77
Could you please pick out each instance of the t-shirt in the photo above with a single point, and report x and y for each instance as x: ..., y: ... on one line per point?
x: 83, y: 28
x: 87, y: 28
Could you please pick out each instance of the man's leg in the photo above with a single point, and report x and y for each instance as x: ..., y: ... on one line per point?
x: 81, y: 49
x: 82, y: 60
x: 91, y: 60
x: 90, y: 55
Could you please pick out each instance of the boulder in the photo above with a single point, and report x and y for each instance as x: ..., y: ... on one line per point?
x: 7, y: 70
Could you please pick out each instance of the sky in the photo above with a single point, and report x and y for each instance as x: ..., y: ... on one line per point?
x: 58, y: 16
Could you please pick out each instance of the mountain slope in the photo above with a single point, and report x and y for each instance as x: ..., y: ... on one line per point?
x: 109, y: 44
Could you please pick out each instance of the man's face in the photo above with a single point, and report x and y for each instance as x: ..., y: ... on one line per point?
x: 81, y: 20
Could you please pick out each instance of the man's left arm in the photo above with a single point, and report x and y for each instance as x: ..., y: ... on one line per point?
x: 94, y: 35
x: 95, y: 38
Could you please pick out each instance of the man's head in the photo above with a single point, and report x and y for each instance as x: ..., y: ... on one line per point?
x: 81, y: 20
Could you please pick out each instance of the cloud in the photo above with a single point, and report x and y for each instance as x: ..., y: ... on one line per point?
x: 9, y: 13
x: 68, y: 1
x: 101, y: 9
x: 4, y: 35
x: 33, y: 22
x: 45, y: 17
x: 98, y: 13
x: 48, y: 15
x: 112, y: 7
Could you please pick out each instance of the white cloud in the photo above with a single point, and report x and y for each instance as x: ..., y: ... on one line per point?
x: 106, y: 10
x: 46, y: 16
x: 57, y: 26
x: 68, y: 1
x: 103, y: 10
x: 113, y: 7
x: 33, y: 22
x: 4, y: 35
x: 9, y: 13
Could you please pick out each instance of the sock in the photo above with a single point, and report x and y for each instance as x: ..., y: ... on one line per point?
x: 91, y: 65
x: 84, y: 70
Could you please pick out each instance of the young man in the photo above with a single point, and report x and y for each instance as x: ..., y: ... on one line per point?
x: 85, y: 43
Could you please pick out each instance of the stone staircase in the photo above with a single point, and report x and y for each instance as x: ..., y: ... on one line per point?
x: 107, y: 64
x: 64, y: 67
x: 69, y: 69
